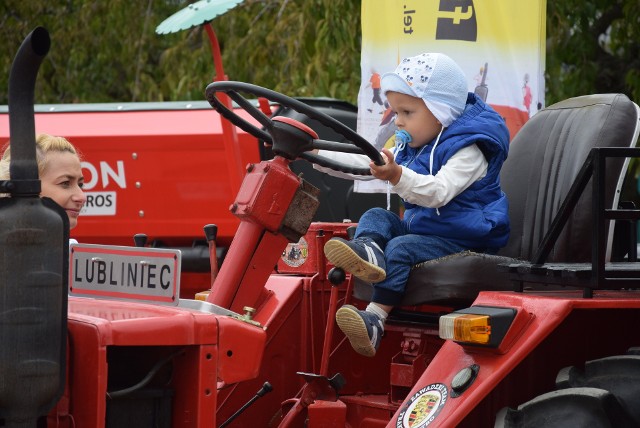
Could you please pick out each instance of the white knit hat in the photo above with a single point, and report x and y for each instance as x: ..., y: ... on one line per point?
x: 435, y: 78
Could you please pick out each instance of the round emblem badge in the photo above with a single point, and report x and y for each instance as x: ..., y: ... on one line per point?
x: 423, y: 407
x: 296, y: 253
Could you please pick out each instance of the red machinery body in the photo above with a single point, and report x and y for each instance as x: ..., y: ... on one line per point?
x: 266, y: 320
x: 269, y: 315
x: 219, y: 361
x: 162, y: 169
x: 196, y: 364
x: 550, y: 332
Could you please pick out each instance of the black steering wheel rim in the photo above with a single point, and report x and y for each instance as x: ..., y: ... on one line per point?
x: 232, y: 89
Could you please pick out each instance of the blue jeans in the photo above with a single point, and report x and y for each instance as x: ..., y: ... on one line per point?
x: 402, y: 251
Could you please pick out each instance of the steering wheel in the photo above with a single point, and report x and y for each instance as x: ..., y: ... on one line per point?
x: 288, y: 137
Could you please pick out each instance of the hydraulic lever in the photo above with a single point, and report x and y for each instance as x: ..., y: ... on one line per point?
x: 266, y: 388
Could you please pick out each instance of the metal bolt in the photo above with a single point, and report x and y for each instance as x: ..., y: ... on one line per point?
x: 134, y: 156
x: 138, y: 185
x: 248, y: 312
x: 141, y: 213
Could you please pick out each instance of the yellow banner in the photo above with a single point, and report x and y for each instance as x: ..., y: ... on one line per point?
x: 498, y: 43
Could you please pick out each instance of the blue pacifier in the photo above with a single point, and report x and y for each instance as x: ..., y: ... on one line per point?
x: 402, y: 139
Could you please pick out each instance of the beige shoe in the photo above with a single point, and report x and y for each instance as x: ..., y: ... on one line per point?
x: 361, y: 257
x: 363, y: 329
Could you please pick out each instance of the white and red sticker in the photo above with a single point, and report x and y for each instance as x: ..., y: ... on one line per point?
x: 296, y: 253
x: 99, y: 204
x: 423, y: 407
x: 99, y: 176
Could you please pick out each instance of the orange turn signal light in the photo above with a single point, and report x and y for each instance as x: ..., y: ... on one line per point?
x: 477, y: 325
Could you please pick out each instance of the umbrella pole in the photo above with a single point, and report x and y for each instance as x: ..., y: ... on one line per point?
x: 229, y: 134
x: 215, y: 50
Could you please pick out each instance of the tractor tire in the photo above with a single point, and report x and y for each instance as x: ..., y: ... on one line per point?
x: 605, y: 394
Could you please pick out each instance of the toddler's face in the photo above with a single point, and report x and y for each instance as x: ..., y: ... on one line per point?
x: 413, y: 116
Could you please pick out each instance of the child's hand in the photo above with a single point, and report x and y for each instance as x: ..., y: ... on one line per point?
x: 390, y: 171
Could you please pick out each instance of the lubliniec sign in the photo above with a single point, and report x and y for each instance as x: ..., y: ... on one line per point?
x: 131, y: 273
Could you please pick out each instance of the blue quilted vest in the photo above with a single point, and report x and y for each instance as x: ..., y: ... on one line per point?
x: 477, y: 218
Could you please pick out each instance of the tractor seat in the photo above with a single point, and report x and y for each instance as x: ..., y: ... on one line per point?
x: 544, y: 159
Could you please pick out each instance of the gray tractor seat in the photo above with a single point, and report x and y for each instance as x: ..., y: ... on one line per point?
x: 544, y: 159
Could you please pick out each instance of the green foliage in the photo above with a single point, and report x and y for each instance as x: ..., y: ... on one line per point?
x: 109, y: 52
x: 300, y: 48
x: 593, y: 46
x: 100, y: 51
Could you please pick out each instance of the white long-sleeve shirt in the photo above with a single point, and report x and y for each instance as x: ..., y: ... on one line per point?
x: 434, y: 191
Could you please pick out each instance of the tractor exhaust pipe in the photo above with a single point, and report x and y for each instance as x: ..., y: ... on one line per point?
x: 34, y: 234
x: 22, y: 81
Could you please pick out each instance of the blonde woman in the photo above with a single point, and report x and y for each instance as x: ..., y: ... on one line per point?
x: 60, y: 173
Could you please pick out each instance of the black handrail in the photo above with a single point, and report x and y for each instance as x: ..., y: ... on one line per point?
x: 594, y: 167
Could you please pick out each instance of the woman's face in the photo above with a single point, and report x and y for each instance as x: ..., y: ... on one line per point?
x: 62, y: 181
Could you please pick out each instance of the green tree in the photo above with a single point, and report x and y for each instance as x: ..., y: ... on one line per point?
x: 109, y: 51
x: 306, y: 48
x: 100, y: 51
x: 593, y: 46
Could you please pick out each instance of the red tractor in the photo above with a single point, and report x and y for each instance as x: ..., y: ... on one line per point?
x: 540, y: 335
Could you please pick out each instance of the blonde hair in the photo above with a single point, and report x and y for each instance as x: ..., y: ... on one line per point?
x: 45, y: 143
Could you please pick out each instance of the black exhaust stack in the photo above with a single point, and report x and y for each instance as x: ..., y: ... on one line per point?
x: 34, y: 252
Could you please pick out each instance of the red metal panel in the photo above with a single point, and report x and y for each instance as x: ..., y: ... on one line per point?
x: 195, y: 398
x: 88, y: 379
x: 241, y: 347
x: 135, y: 324
x: 251, y: 289
x: 280, y: 314
x: 266, y: 193
x: 540, y: 316
x: 227, y: 282
x: 96, y: 325
x: 169, y: 169
x: 262, y: 204
x: 453, y: 357
x: 325, y: 414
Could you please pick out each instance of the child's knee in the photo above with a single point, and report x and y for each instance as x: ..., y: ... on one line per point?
x: 399, y: 250
x: 378, y: 215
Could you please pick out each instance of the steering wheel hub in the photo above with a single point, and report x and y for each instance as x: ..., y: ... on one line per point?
x: 290, y: 137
